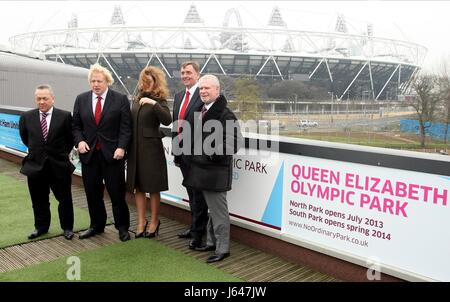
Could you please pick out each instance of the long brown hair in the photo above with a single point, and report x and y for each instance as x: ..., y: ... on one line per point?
x: 159, y: 89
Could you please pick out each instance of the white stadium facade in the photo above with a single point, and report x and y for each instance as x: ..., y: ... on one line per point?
x: 355, y: 66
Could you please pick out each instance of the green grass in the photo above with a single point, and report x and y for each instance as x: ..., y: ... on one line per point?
x: 372, y: 140
x: 16, y: 214
x: 135, y: 260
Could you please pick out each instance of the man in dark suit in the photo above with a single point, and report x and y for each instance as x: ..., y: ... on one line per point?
x: 47, y: 132
x: 185, y: 103
x: 219, y: 137
x: 102, y: 132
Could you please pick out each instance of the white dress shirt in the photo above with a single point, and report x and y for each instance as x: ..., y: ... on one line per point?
x: 48, y: 118
x: 94, y: 100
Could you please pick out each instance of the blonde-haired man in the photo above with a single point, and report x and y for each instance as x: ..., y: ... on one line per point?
x: 102, y: 132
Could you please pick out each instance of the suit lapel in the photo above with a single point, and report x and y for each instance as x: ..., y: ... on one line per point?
x: 54, y: 122
x: 89, y: 107
x: 195, y: 98
x: 36, y: 121
x: 106, y: 106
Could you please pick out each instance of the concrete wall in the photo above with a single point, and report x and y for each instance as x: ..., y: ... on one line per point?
x: 20, y: 75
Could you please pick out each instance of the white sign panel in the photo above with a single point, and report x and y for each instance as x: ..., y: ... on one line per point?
x: 400, y: 218
x: 397, y: 218
x: 256, y: 192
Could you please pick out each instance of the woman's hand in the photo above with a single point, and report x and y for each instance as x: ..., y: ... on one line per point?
x: 144, y: 101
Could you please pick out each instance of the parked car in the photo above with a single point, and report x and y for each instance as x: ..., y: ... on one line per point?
x: 307, y: 124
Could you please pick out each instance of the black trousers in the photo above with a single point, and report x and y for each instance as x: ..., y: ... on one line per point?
x: 98, y: 174
x: 39, y: 187
x: 197, y: 203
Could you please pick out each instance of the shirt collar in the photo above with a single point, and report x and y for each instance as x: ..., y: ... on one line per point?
x: 49, y: 112
x: 209, y: 105
x: 192, y: 89
x: 103, y: 95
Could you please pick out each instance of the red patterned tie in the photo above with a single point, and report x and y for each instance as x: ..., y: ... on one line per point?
x: 98, y: 110
x: 183, y: 110
x: 44, y: 125
x: 98, y: 113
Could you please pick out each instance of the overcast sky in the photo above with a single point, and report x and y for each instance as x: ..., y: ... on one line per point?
x: 423, y: 22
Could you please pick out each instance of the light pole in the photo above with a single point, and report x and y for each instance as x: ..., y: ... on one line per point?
x: 331, y: 111
x: 365, y: 95
x: 331, y: 94
x: 295, y: 102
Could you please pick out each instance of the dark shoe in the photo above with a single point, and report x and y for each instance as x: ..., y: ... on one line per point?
x: 206, y: 248
x: 194, y: 244
x: 89, y: 233
x: 144, y: 232
x: 36, y: 233
x: 156, y: 232
x: 185, y: 234
x: 217, y: 257
x: 68, y: 234
x: 124, y: 235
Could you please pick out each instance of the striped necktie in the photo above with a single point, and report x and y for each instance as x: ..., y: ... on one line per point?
x: 204, y: 110
x: 44, y: 125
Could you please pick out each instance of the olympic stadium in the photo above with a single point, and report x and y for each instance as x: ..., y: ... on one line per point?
x: 348, y: 65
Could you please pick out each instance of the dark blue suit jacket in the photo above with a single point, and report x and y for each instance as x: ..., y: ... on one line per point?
x: 195, y: 105
x: 55, y: 150
x: 114, y: 129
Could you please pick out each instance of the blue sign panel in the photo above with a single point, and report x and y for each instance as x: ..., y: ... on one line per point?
x: 9, y: 132
x: 435, y: 130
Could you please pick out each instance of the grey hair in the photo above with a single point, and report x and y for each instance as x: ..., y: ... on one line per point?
x: 214, y: 80
x: 46, y: 86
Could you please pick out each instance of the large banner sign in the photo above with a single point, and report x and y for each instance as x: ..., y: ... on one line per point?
x: 257, y: 188
x: 395, y: 218
x: 399, y: 218
x: 9, y: 132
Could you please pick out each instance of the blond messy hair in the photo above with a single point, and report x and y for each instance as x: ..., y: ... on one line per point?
x: 99, y: 68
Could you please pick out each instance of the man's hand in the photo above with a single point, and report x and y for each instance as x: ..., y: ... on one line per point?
x: 119, y: 153
x: 83, y: 147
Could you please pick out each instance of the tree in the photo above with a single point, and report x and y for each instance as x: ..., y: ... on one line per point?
x: 444, y: 92
x: 247, y: 98
x: 303, y: 90
x: 425, y: 103
x: 227, y: 86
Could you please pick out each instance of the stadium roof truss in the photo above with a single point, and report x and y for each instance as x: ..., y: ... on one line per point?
x: 339, y: 59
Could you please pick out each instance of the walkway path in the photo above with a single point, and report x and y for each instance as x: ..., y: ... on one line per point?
x: 245, y: 262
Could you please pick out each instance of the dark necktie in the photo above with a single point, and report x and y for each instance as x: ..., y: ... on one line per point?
x: 204, y: 110
x: 44, y: 126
